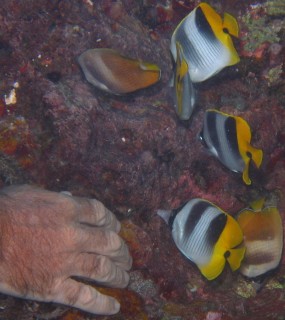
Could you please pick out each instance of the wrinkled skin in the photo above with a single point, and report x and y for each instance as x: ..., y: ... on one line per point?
x: 48, y: 238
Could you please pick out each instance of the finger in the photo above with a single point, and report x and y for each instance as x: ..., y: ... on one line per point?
x: 93, y: 212
x: 101, y: 269
x: 104, y: 242
x: 84, y: 297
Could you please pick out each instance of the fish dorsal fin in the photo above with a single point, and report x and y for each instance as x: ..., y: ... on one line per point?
x: 230, y: 23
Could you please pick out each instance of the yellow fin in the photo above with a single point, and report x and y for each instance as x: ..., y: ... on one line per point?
x: 212, y: 17
x: 215, y: 267
x: 110, y: 71
x: 256, y: 155
x: 230, y: 238
x: 247, y: 152
x: 245, y: 175
x: 180, y: 72
x: 230, y: 23
x: 218, y: 26
x: 149, y: 66
x: 235, y: 257
x: 243, y: 132
x: 257, y: 205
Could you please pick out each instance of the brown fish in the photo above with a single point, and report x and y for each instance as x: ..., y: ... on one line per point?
x: 263, y: 239
x: 108, y: 70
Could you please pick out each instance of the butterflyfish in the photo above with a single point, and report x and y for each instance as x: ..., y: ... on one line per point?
x: 206, y: 41
x: 228, y: 138
x: 206, y: 235
x: 263, y: 239
x: 184, y: 90
x: 110, y: 71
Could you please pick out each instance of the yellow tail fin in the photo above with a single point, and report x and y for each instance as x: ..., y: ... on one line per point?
x: 235, y: 258
x: 231, y: 24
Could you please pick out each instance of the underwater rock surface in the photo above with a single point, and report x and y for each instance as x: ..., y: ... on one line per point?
x: 132, y: 152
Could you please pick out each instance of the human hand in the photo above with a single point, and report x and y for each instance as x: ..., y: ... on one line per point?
x: 49, y: 241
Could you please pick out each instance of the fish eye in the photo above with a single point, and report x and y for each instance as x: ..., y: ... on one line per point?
x: 249, y: 154
x: 226, y: 30
x: 227, y: 254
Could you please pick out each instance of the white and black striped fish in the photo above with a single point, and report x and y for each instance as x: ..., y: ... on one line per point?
x: 228, y: 138
x: 206, y: 42
x: 206, y: 235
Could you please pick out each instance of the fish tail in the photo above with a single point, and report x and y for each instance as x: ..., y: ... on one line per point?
x: 257, y: 156
x: 230, y: 23
x: 149, y: 67
x: 235, y: 257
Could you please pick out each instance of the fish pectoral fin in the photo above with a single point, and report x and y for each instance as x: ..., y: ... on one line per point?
x: 214, y: 268
x: 235, y: 257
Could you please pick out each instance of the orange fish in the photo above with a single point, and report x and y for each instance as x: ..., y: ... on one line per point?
x: 108, y: 70
x: 263, y: 238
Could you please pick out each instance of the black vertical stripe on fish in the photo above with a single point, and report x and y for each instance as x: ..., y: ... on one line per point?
x: 211, y: 128
x: 174, y: 214
x: 215, y: 229
x: 203, y: 25
x: 231, y: 132
x: 193, y: 45
x: 195, y: 58
x: 226, y: 154
x: 194, y: 216
x: 210, y: 47
x: 220, y: 136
